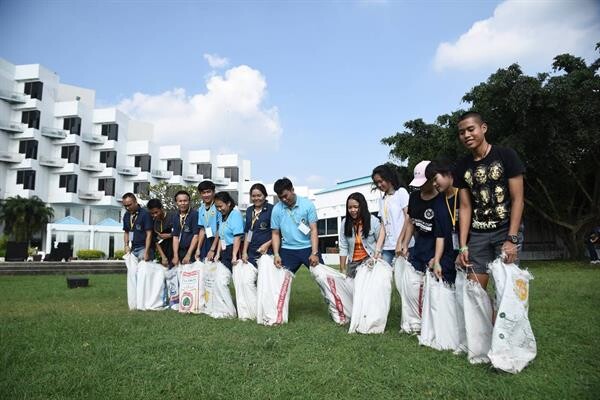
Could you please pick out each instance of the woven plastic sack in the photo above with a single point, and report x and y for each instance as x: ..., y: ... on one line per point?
x: 273, y: 292
x: 151, y: 294
x: 172, y: 282
x: 191, y: 288
x: 219, y: 303
x: 337, y: 291
x: 372, y: 297
x: 244, y: 281
x: 409, y: 283
x: 478, y: 322
x: 439, y: 326
x: 459, y: 291
x: 131, y: 262
x: 513, y: 344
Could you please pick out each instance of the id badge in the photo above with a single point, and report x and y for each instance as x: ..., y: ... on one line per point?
x: 223, y: 245
x: 249, y: 236
x: 303, y: 228
x: 209, y: 232
x: 131, y: 236
x: 455, y: 241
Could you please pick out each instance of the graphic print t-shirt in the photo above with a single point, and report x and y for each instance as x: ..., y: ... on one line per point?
x: 422, y: 213
x: 487, y: 180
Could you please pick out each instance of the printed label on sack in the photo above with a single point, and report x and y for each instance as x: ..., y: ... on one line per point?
x: 521, y: 289
x: 338, y: 302
x: 189, y: 291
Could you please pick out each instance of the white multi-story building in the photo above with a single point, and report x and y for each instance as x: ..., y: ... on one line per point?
x: 56, y: 145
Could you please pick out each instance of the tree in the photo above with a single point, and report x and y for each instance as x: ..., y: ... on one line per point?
x: 166, y: 194
x: 23, y: 217
x: 551, y: 120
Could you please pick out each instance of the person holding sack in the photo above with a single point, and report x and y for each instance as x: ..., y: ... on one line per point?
x: 258, y: 226
x: 231, y: 229
x: 163, y: 231
x: 137, y: 228
x: 185, y: 230
x: 208, y: 216
x: 362, y: 237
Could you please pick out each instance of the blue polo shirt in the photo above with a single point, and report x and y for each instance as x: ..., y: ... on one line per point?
x: 286, y: 220
x: 185, y: 228
x: 260, y: 227
x: 230, y: 228
x: 138, y: 223
x: 209, y: 217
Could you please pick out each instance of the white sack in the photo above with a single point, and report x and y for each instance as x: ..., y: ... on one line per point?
x: 172, y: 282
x: 513, y: 344
x: 409, y: 283
x: 191, y: 288
x: 244, y: 282
x: 151, y: 286
x: 219, y: 303
x: 337, y: 290
x: 478, y: 322
x: 131, y: 262
x: 459, y: 288
x: 273, y: 292
x: 372, y: 297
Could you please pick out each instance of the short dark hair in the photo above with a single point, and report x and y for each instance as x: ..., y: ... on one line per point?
x: 182, y: 192
x: 471, y: 114
x: 282, y: 185
x: 387, y: 173
x: 130, y: 195
x: 440, y: 166
x: 206, y: 185
x: 260, y: 187
x: 225, y: 197
x: 153, y: 203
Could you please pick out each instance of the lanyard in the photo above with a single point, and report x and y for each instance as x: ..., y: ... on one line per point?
x: 255, y: 216
x: 182, y: 220
x: 206, y: 212
x: 385, y: 209
x: 291, y: 215
x: 132, y: 219
x: 452, y: 213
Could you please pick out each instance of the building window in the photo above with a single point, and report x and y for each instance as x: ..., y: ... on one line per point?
x: 69, y: 182
x: 71, y: 154
x: 141, y: 188
x: 327, y: 226
x: 73, y: 125
x: 29, y: 148
x: 107, y: 185
x: 34, y: 89
x: 111, y: 131
x: 31, y: 118
x: 205, y: 170
x: 233, y: 173
x: 109, y: 158
x: 143, y: 162
x: 27, y: 179
x: 175, y: 166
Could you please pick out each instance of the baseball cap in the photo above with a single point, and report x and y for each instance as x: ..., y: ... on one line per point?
x: 419, y: 174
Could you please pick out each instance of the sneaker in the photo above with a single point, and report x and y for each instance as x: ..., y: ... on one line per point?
x: 595, y: 262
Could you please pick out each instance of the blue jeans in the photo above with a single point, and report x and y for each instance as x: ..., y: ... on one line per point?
x: 138, y: 251
x: 206, y: 247
x: 388, y: 256
x: 292, y: 260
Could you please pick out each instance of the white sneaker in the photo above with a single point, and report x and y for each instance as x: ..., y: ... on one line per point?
x: 595, y: 262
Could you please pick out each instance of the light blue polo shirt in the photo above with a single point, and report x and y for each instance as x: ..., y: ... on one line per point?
x: 287, y: 221
x: 209, y: 217
x: 233, y: 226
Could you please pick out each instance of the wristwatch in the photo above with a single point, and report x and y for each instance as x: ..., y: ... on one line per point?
x: 514, y: 239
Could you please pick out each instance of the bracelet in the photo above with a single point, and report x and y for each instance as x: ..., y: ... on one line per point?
x: 275, y: 254
x: 316, y: 253
x: 463, y: 249
x: 377, y: 251
x: 211, y: 250
x: 437, y: 266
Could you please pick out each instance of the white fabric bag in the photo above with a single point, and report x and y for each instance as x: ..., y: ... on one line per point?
x: 459, y: 291
x: 172, y: 282
x: 273, y: 292
x: 151, y: 293
x: 372, y: 297
x: 244, y: 282
x: 337, y: 290
x: 191, y: 288
x: 513, y: 344
x: 219, y: 303
x: 427, y: 335
x: 478, y: 322
x: 131, y: 262
x: 409, y: 283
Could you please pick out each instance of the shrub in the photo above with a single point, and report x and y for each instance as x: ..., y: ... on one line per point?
x: 90, y: 254
x: 119, y: 254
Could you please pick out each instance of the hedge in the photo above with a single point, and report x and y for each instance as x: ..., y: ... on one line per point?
x: 90, y: 254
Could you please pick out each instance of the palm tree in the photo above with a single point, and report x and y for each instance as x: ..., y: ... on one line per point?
x: 23, y: 217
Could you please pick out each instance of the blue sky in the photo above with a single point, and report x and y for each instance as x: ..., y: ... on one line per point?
x: 305, y: 89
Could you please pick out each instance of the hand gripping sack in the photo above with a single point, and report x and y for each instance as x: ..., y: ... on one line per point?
x: 459, y: 290
x: 191, y: 288
x: 372, y: 297
x: 409, y: 283
x: 151, y: 286
x: 219, y: 303
x: 273, y: 292
x: 513, y: 343
x: 439, y: 327
x: 172, y: 282
x: 337, y: 290
x: 478, y: 322
x: 244, y: 282
x: 131, y: 262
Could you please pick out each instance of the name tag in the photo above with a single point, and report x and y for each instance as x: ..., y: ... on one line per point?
x: 249, y: 236
x: 455, y: 241
x: 131, y: 236
x: 303, y: 228
x: 208, y: 231
x: 223, y: 245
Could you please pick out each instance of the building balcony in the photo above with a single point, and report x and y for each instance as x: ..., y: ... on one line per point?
x: 9, y: 157
x: 107, y: 172
x: 92, y: 166
x: 54, y: 133
x: 107, y: 145
x: 13, y: 97
x: 176, y: 180
x: 221, y: 181
x: 30, y: 104
x: 143, y: 176
x: 52, y: 162
x: 192, y: 177
x: 67, y: 108
x: 26, y: 163
x: 90, y: 194
x: 129, y: 171
x: 161, y: 174
x: 93, y: 139
x: 12, y: 127
x: 60, y: 195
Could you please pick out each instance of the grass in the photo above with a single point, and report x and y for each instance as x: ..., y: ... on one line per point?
x: 58, y: 343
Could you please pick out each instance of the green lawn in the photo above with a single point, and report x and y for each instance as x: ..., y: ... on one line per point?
x: 84, y: 343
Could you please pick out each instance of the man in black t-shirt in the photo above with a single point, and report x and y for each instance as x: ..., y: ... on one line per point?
x: 490, y: 180
x: 163, y: 231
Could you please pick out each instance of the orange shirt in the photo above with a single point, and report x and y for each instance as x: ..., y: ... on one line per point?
x: 359, y: 250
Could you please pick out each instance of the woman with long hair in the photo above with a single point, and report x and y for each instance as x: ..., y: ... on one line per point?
x: 258, y: 225
x: 231, y: 229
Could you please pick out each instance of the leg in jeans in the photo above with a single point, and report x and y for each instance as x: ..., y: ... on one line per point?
x: 591, y: 250
x: 388, y: 256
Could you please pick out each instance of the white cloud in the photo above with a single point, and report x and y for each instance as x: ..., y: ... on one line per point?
x: 528, y: 32
x: 216, y: 61
x: 316, y: 181
x: 230, y: 114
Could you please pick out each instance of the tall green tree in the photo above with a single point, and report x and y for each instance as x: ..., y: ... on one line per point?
x: 23, y: 217
x: 165, y: 192
x: 552, y: 120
